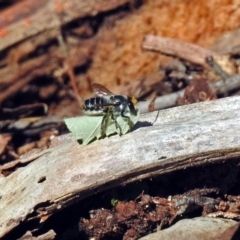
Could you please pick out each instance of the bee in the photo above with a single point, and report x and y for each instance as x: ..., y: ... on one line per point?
x: 107, y: 104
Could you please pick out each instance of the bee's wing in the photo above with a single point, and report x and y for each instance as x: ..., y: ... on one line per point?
x: 100, y: 90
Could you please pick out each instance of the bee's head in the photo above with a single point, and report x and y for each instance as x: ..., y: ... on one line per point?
x: 132, y: 101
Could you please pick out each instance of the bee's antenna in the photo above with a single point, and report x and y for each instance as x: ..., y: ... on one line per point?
x: 143, y: 95
x: 140, y: 93
x: 156, y: 118
x: 139, y: 97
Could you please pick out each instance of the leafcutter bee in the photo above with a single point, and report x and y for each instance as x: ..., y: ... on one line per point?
x: 108, y: 105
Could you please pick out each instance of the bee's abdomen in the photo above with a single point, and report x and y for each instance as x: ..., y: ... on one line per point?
x: 94, y: 106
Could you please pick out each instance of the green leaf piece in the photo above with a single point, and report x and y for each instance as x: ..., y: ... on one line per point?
x: 114, y: 202
x: 88, y: 128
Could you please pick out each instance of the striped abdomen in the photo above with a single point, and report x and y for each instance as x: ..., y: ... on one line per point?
x: 95, y: 106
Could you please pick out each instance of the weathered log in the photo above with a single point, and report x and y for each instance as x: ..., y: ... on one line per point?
x: 181, y: 137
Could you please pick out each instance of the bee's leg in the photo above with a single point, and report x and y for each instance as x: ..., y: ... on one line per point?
x: 103, y: 123
x: 128, y: 119
x: 118, y: 128
x: 105, y: 120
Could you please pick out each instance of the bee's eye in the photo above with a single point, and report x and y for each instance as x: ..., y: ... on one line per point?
x: 130, y: 105
x: 118, y: 99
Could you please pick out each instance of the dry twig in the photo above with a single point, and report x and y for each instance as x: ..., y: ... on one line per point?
x: 169, y: 46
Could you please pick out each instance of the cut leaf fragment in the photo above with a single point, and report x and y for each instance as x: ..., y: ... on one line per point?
x: 88, y: 128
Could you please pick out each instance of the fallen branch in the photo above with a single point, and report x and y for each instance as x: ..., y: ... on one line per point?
x: 191, y: 135
x: 169, y: 46
x: 170, y: 100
